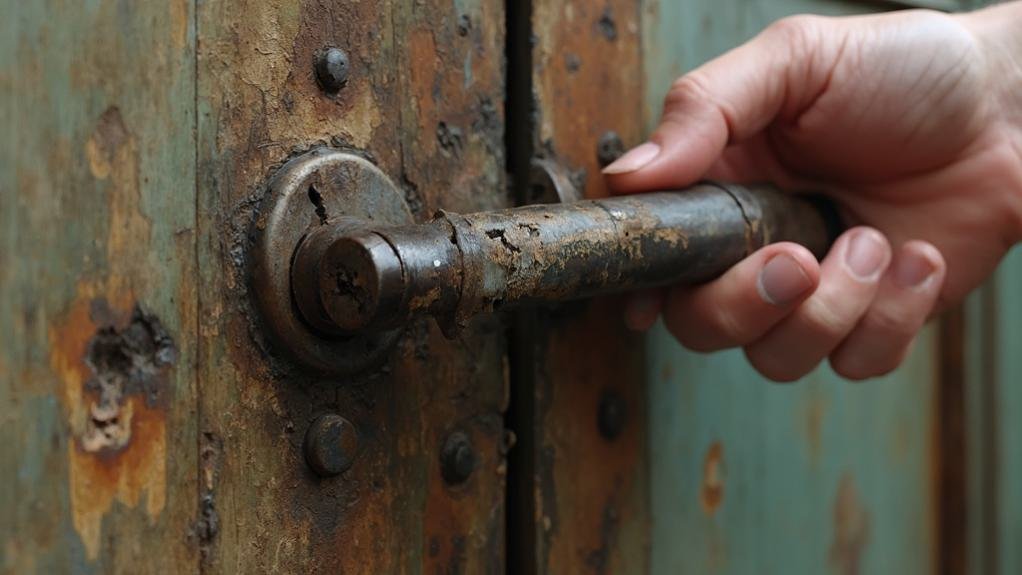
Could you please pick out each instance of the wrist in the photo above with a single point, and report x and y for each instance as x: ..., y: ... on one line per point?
x: 998, y: 33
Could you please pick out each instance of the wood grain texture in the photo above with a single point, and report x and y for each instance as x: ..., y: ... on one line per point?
x: 586, y: 493
x: 97, y: 262
x: 994, y: 422
x: 423, y: 101
x: 822, y: 476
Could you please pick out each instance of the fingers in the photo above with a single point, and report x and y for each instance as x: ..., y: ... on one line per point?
x: 862, y: 307
x: 727, y: 100
x: 743, y: 304
x: 849, y: 280
x: 906, y: 297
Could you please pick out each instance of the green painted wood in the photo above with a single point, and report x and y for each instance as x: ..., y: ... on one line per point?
x: 994, y: 416
x: 748, y: 476
x: 97, y: 215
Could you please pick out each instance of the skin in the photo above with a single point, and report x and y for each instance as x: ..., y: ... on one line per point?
x: 911, y: 121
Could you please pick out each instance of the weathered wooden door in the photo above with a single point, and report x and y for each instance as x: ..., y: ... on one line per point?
x: 151, y: 424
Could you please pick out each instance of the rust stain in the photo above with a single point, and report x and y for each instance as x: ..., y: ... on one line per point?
x: 423, y: 55
x: 711, y: 495
x: 114, y: 403
x: 851, y: 528
x: 111, y: 358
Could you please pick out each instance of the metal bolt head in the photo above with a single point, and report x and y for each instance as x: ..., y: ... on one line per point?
x: 609, y: 148
x: 611, y: 415
x: 331, y: 445
x: 332, y: 69
x: 457, y: 459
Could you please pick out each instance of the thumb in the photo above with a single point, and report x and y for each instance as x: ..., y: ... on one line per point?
x: 727, y: 100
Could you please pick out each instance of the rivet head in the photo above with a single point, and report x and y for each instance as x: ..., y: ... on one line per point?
x: 331, y: 445
x: 332, y: 69
x: 609, y: 148
x: 611, y: 415
x: 457, y: 458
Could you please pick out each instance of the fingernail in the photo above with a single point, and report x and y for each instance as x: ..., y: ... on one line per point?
x: 636, y: 158
x: 641, y: 310
x: 866, y: 255
x: 782, y: 280
x: 912, y: 270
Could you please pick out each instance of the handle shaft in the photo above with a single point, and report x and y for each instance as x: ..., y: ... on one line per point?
x: 349, y: 277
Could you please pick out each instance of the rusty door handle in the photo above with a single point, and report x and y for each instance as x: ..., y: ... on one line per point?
x: 335, y: 251
x: 351, y: 276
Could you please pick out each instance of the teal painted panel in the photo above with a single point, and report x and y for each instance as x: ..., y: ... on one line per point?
x: 748, y: 476
x: 994, y: 422
x: 97, y: 215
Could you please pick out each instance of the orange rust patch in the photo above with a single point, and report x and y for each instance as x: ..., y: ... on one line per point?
x: 101, y: 471
x: 851, y: 528
x: 712, y: 493
x: 423, y: 55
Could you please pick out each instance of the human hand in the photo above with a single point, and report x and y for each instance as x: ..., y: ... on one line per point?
x: 911, y: 121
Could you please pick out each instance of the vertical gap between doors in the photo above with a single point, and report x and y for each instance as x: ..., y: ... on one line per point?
x: 523, y: 351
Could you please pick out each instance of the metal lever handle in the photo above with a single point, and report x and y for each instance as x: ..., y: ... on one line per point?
x: 351, y: 276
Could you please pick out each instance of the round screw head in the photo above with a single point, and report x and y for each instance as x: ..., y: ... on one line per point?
x: 611, y: 415
x: 332, y: 69
x: 331, y: 445
x: 457, y: 459
x: 609, y: 148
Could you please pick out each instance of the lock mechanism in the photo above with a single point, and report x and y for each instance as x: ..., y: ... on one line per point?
x: 324, y: 189
x: 340, y: 268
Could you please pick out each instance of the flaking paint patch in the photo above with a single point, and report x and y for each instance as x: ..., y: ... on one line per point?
x: 133, y: 466
x: 98, y: 477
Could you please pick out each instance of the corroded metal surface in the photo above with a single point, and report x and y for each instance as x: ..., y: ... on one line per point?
x: 379, y: 277
x: 422, y: 101
x: 317, y: 189
x: 580, y: 499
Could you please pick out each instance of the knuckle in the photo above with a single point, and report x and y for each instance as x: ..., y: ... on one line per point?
x: 709, y: 326
x: 891, y: 323
x: 691, y: 87
x: 825, y: 321
x: 793, y: 29
x: 722, y: 321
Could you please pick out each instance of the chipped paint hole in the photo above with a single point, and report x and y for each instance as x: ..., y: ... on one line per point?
x: 606, y: 25
x: 449, y: 137
x: 532, y: 229
x: 129, y: 361
x: 464, y: 25
x: 499, y: 234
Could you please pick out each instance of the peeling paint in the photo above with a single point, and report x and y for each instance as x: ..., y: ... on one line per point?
x: 119, y: 447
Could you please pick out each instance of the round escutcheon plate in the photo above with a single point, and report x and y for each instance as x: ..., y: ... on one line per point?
x: 312, y: 190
